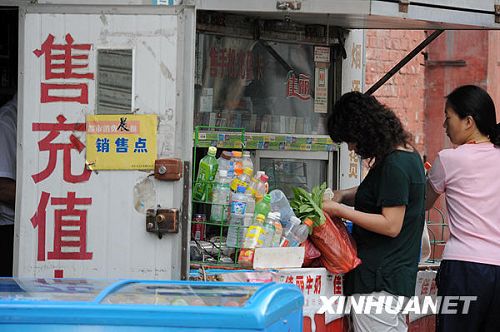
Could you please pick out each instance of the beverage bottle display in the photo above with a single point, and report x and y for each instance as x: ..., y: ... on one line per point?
x: 254, y: 235
x: 234, y: 232
x: 278, y: 229
x: 243, y: 180
x: 247, y: 221
x: 252, y: 185
x: 269, y: 230
x: 288, y: 238
x: 247, y: 160
x: 250, y: 202
x: 230, y: 172
x: 224, y: 160
x: 198, y: 228
x: 279, y: 203
x: 301, y: 231
x: 206, y: 174
x: 264, y: 206
x: 239, y: 202
x: 220, y: 198
x: 238, y: 163
x: 238, y: 209
x: 261, y: 187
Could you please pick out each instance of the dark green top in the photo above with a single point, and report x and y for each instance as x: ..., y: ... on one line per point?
x: 390, y: 264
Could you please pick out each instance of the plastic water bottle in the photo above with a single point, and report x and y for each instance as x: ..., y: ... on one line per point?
x: 247, y: 160
x: 261, y: 187
x: 206, y: 174
x: 250, y: 203
x: 252, y: 185
x: 278, y: 228
x: 264, y: 206
x: 288, y: 238
x: 254, y: 236
x: 279, y: 203
x: 268, y: 230
x: 247, y: 221
x: 220, y: 198
x: 238, y: 163
x: 238, y: 209
x: 224, y: 160
x: 301, y: 232
x: 242, y: 180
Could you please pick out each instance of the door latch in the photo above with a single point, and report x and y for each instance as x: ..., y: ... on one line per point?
x: 168, y: 169
x: 162, y: 221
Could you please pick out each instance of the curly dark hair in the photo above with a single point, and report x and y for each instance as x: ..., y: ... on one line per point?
x: 361, y: 119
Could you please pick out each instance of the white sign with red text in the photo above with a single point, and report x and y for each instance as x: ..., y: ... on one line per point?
x: 314, y: 283
x: 70, y: 221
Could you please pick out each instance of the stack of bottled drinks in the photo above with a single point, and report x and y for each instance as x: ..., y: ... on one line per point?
x: 240, y: 202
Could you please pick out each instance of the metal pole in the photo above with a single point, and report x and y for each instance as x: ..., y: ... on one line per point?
x: 403, y: 62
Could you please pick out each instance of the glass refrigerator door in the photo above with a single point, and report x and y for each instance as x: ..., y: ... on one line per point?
x: 289, y: 169
x: 147, y: 305
x: 51, y: 290
x: 182, y: 294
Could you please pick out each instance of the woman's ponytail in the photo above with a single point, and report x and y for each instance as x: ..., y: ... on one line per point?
x: 495, y: 135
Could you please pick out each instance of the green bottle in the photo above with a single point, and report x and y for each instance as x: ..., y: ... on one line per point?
x: 263, y: 207
x: 206, y: 175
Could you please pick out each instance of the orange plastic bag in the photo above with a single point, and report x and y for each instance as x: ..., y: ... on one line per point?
x: 338, y: 252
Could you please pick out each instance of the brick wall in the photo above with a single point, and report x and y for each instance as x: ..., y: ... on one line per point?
x: 404, y: 92
x: 417, y: 93
x: 445, y: 75
x: 442, y: 75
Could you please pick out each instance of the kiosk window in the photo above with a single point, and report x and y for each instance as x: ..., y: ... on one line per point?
x: 114, y: 81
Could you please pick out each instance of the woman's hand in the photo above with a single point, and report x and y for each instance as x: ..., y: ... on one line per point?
x: 332, y: 208
x: 345, y: 196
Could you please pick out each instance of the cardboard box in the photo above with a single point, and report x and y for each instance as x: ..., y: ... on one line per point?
x: 278, y: 258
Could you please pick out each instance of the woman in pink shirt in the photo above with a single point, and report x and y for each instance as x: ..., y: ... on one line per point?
x: 469, y: 176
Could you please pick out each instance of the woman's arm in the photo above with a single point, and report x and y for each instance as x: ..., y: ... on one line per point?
x: 431, y: 196
x: 345, y: 196
x: 389, y: 223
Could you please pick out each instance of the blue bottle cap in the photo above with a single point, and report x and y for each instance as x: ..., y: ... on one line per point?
x: 241, y: 189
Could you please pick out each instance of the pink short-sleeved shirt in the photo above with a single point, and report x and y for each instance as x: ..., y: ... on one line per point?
x: 469, y: 175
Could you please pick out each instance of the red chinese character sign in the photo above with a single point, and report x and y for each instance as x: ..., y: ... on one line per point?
x: 69, y: 214
x: 47, y: 144
x: 314, y: 283
x: 61, y: 215
x: 298, y: 86
x: 68, y: 223
x: 64, y: 62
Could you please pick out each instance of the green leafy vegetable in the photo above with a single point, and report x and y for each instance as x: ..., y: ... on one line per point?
x: 309, y: 205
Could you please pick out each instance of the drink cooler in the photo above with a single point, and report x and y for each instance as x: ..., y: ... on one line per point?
x: 82, y: 305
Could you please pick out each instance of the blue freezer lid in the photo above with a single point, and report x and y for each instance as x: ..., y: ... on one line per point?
x: 146, y: 303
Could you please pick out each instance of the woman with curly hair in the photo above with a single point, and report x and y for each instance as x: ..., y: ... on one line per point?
x: 469, y: 177
x: 389, y: 208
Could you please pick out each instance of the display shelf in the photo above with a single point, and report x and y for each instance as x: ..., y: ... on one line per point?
x: 210, y: 248
x: 264, y: 141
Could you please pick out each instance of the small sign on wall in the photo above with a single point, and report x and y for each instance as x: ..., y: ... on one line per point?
x: 121, y: 142
x: 321, y: 90
x: 322, y: 64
